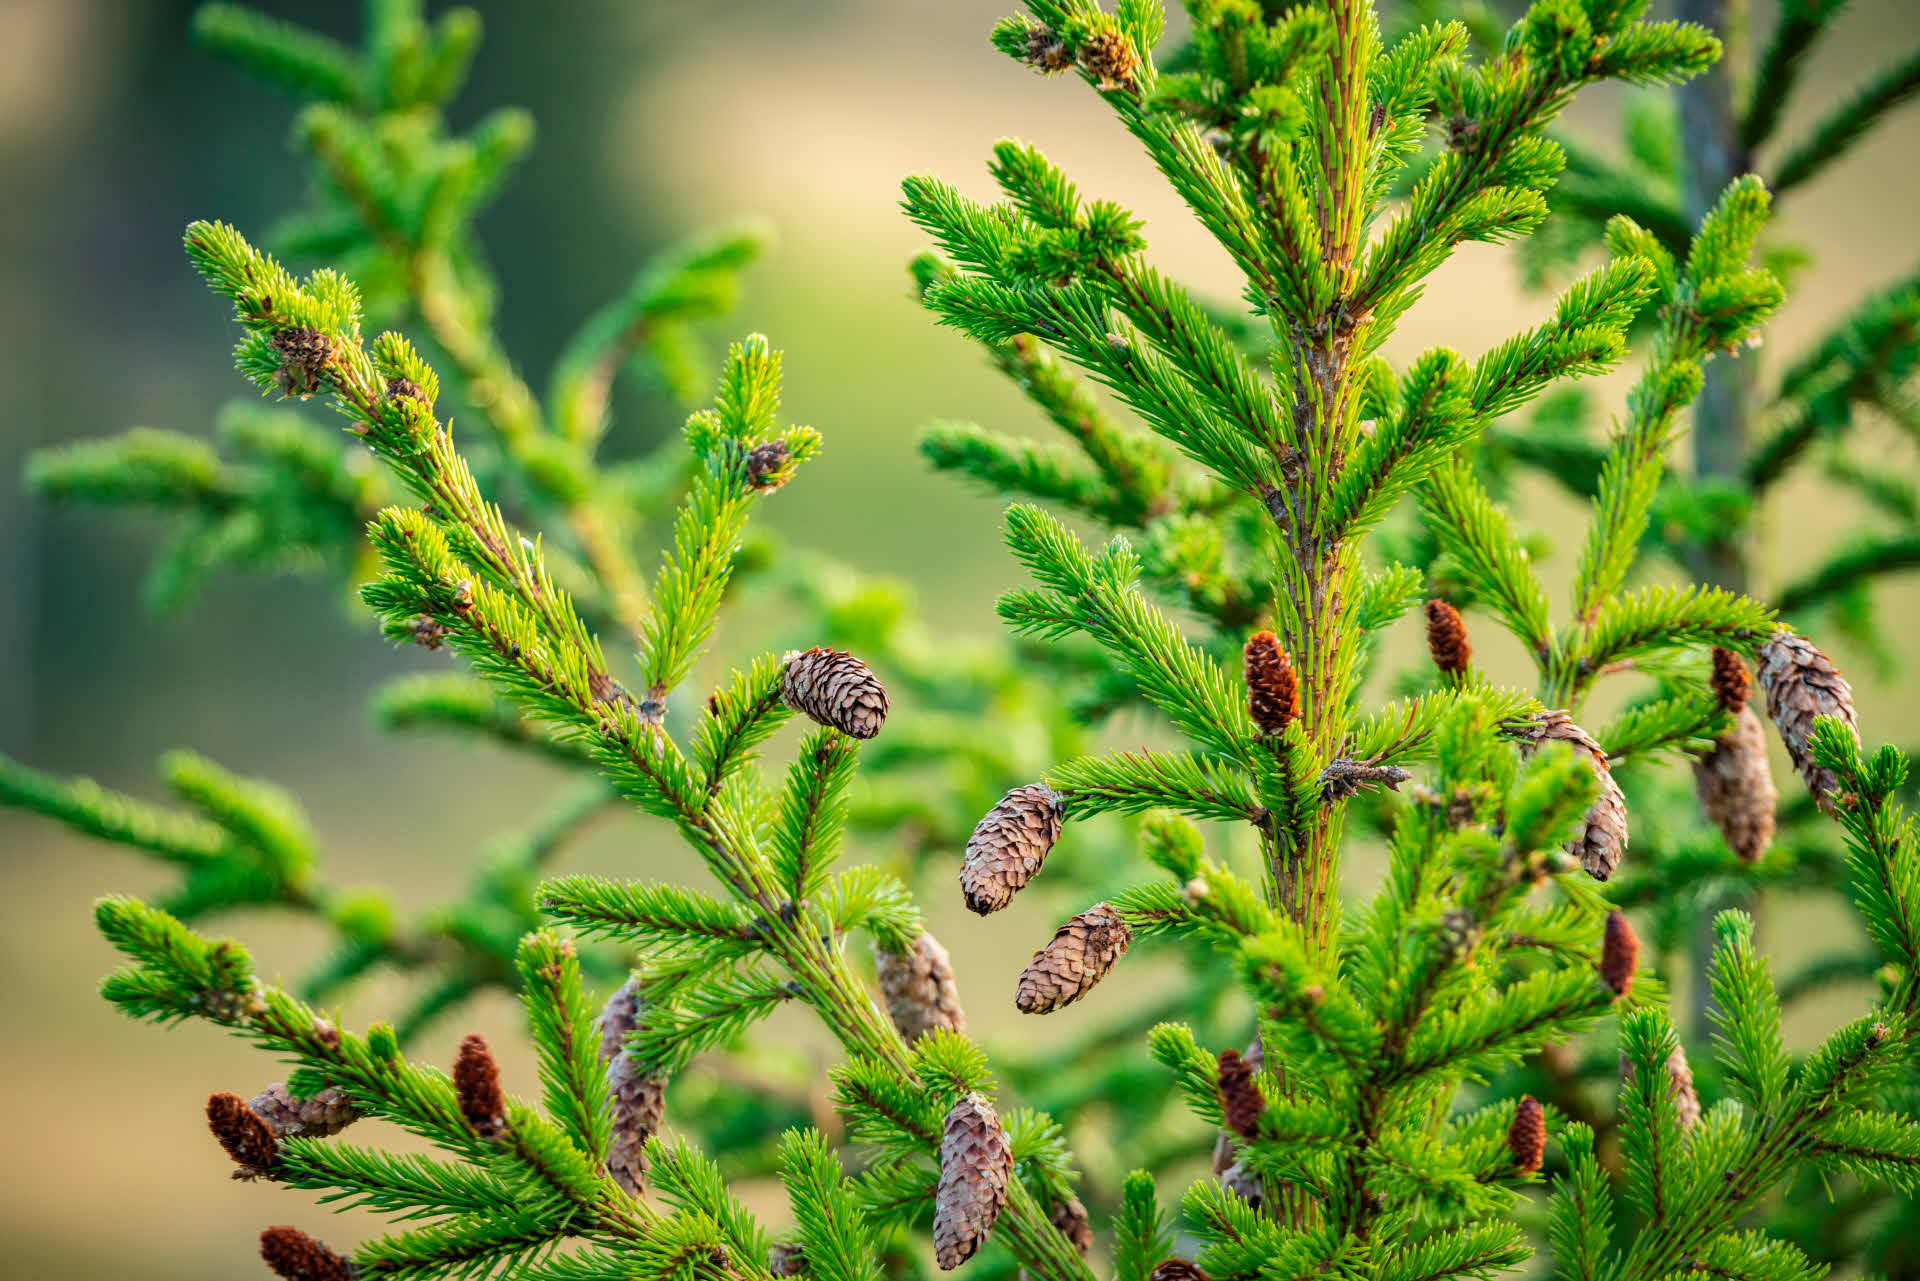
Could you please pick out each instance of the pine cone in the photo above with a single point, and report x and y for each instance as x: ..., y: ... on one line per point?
x: 1735, y: 787
x: 1686, y: 1099
x: 1240, y: 1096
x: 1178, y: 1270
x: 1070, y: 1216
x: 1732, y: 683
x: 1079, y: 956
x: 976, y: 1163
x: 304, y: 355
x: 248, y: 1140
x: 1110, y: 56
x: 832, y: 687
x: 328, y: 1112
x: 1273, y: 689
x: 1008, y: 846
x: 919, y: 989
x: 1527, y: 1136
x: 1047, y: 51
x: 768, y: 466
x: 1447, y: 638
x: 476, y: 1084
x: 1602, y: 839
x: 786, y: 1259
x: 1619, y: 954
x: 635, y: 1100
x: 1801, y: 683
x: 1228, y: 1168
x: 296, y: 1256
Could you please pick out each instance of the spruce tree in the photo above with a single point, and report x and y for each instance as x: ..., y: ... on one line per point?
x: 1368, y: 1126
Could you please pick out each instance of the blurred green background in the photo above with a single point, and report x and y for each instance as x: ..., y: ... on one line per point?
x: 655, y: 119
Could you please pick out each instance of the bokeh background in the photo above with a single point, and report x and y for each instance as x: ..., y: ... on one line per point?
x: 655, y: 119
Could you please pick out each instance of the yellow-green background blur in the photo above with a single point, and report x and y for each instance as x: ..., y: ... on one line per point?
x: 655, y: 119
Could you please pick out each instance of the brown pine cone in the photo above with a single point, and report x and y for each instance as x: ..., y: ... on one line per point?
x: 976, y: 1163
x: 832, y: 687
x: 248, y: 1140
x: 635, y: 1101
x: 1619, y: 953
x: 304, y: 356
x: 1070, y: 1216
x: 1273, y: 688
x: 1079, y: 956
x: 786, y: 1259
x: 1802, y: 683
x: 1732, y: 683
x: 1110, y: 56
x: 296, y: 1256
x: 1240, y: 1097
x: 476, y: 1084
x: 1601, y: 840
x: 1008, y: 846
x: 1527, y: 1136
x: 1447, y: 638
x: 1228, y: 1168
x: 1178, y: 1270
x: 328, y: 1112
x: 919, y: 989
x: 1735, y: 787
x: 1686, y: 1099
x: 1047, y: 51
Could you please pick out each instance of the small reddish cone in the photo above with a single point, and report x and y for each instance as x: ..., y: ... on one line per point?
x: 635, y: 1101
x: 1109, y: 56
x: 976, y: 1163
x: 296, y: 1256
x: 1070, y: 1216
x: 1619, y: 954
x: 1732, y: 683
x: 315, y: 1116
x: 1008, y: 846
x: 1601, y: 841
x: 1801, y: 684
x: 476, y: 1085
x: 1179, y: 1270
x: 919, y: 989
x: 248, y: 1140
x: 1240, y: 1096
x: 1273, y: 689
x: 1079, y: 956
x: 1447, y: 638
x: 1232, y: 1172
x: 1527, y: 1136
x: 832, y: 687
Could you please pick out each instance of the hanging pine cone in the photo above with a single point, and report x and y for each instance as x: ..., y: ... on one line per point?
x: 294, y: 1255
x: 1079, y: 956
x: 1732, y: 682
x: 1273, y: 689
x: 1232, y: 1172
x: 919, y: 989
x: 1686, y: 1099
x: 832, y: 687
x: 1070, y: 1216
x: 1240, y: 1098
x: 1802, y: 683
x: 976, y: 1164
x: 476, y: 1085
x: 1178, y: 1270
x: 317, y: 1116
x: 1601, y: 840
x: 1527, y: 1136
x: 635, y: 1101
x: 1008, y: 846
x: 248, y: 1140
x: 1110, y: 56
x: 1619, y: 953
x: 1447, y: 638
x: 1735, y: 787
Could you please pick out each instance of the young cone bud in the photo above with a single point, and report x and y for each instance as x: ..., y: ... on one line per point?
x: 1232, y: 1172
x: 1047, y: 51
x: 1619, y: 954
x: 1801, y: 683
x: 1070, y: 1216
x: 1178, y: 1270
x: 1008, y: 846
x: 919, y: 989
x: 1527, y: 1136
x: 1109, y: 56
x: 1601, y: 840
x: 317, y: 1116
x: 248, y: 1140
x: 476, y: 1084
x: 635, y: 1101
x: 1447, y: 638
x: 1081, y: 953
x: 296, y: 1256
x: 1735, y: 787
x: 1240, y: 1096
x: 834, y: 688
x: 1732, y: 683
x: 976, y: 1163
x: 1273, y: 689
